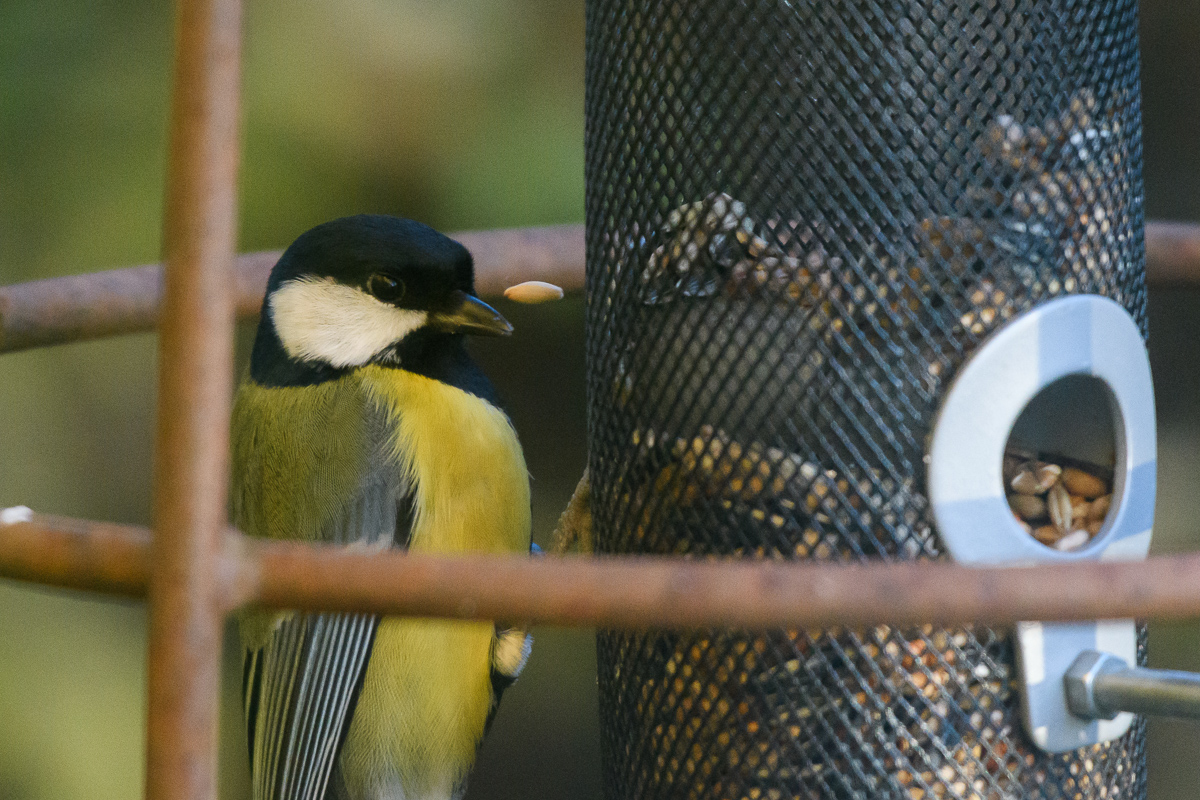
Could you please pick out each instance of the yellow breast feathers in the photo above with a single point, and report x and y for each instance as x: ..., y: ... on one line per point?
x: 465, y: 460
x: 427, y: 691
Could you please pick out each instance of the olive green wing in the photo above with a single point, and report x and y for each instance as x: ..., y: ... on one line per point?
x: 309, y: 464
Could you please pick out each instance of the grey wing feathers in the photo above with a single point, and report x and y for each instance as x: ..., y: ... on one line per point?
x: 300, y: 688
x: 306, y: 677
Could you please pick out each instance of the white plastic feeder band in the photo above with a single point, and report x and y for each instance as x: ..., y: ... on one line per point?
x: 1077, y: 335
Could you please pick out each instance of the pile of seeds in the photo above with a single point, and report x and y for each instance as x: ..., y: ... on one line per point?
x: 712, y: 246
x: 1061, y: 506
x: 793, y: 508
x: 1042, y: 228
x: 782, y: 706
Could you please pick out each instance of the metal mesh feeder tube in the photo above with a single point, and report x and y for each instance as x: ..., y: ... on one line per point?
x: 802, y: 219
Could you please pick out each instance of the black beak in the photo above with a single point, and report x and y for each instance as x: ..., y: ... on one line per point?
x: 470, y: 315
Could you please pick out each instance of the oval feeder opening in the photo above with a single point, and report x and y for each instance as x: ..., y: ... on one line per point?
x: 1059, y: 463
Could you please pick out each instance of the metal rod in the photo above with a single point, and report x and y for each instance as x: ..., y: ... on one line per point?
x: 76, y: 554
x: 186, y: 613
x: 648, y: 592
x: 78, y: 307
x: 1173, y: 254
x: 1100, y: 685
x: 1160, y: 692
x: 614, y: 591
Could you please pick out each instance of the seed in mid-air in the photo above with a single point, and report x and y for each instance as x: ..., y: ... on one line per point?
x: 534, y: 292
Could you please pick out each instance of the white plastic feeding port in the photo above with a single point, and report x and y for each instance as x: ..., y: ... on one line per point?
x: 1080, y: 335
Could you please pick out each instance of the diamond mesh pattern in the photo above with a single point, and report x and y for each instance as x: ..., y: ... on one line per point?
x: 802, y: 217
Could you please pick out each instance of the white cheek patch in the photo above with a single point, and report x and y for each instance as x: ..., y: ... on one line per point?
x: 318, y: 319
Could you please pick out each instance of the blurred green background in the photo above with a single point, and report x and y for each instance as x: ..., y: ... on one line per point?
x: 461, y: 113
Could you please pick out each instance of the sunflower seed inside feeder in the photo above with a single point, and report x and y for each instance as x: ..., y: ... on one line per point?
x: 1062, y: 506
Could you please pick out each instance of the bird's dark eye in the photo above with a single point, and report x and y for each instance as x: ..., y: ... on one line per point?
x: 385, y: 287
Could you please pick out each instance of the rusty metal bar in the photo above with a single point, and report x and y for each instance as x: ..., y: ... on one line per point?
x: 1173, y: 254
x: 645, y: 592
x: 614, y: 591
x: 59, y: 310
x: 77, y: 554
x: 186, y: 614
x: 78, y: 307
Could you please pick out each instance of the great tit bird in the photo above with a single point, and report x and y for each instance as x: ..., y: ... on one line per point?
x: 364, y: 422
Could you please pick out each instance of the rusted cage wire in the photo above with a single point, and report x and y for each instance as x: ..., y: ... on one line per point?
x: 194, y: 399
x: 80, y: 307
x: 196, y: 571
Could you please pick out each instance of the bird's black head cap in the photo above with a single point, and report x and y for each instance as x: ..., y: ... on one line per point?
x: 400, y: 263
x: 367, y: 249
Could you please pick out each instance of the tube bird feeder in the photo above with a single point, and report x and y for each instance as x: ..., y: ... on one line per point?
x: 803, y: 220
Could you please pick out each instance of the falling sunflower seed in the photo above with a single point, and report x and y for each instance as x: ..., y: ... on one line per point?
x: 534, y: 292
